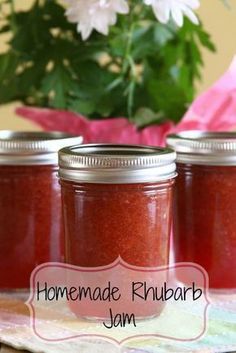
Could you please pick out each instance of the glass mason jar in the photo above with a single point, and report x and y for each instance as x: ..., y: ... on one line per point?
x: 117, y: 201
x: 205, y: 204
x: 30, y: 204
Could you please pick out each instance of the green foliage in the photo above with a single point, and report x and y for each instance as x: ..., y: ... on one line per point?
x: 143, y: 70
x: 227, y: 3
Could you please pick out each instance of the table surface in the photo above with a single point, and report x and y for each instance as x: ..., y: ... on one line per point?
x: 5, y: 349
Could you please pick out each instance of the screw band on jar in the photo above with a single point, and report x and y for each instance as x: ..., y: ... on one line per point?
x: 33, y: 148
x: 204, y: 148
x: 120, y: 164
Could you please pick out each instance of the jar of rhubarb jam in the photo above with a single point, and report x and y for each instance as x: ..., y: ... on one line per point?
x: 205, y: 204
x: 117, y: 202
x: 30, y: 204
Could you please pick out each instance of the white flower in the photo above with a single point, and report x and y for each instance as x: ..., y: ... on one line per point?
x: 177, y: 9
x: 95, y: 14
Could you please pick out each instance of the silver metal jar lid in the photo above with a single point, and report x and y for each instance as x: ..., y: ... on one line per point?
x: 33, y: 148
x: 116, y: 164
x: 206, y: 148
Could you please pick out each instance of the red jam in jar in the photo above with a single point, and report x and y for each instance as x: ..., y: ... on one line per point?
x: 30, y: 204
x: 205, y: 204
x: 117, y: 202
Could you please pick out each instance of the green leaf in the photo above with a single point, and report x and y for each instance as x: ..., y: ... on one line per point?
x: 58, y: 85
x: 93, y: 99
x: 150, y: 74
x: 206, y: 41
x: 8, y: 65
x: 227, y: 3
x: 5, y: 29
x: 163, y: 33
x: 30, y: 78
x: 145, y: 117
x: 32, y: 31
x: 167, y: 98
x: 85, y: 107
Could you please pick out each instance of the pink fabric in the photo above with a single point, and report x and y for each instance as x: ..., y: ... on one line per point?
x: 214, y: 110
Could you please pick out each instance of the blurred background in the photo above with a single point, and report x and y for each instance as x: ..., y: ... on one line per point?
x: 219, y: 21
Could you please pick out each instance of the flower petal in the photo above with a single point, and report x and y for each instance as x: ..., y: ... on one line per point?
x: 162, y: 10
x: 120, y: 6
x: 177, y: 9
x: 193, y: 4
x: 177, y: 16
x: 190, y: 14
x: 95, y: 14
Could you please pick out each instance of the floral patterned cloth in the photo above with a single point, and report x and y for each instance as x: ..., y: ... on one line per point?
x: 15, y: 331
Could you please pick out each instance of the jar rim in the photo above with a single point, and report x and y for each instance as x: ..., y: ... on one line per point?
x: 116, y: 163
x: 201, y: 147
x: 33, y: 147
